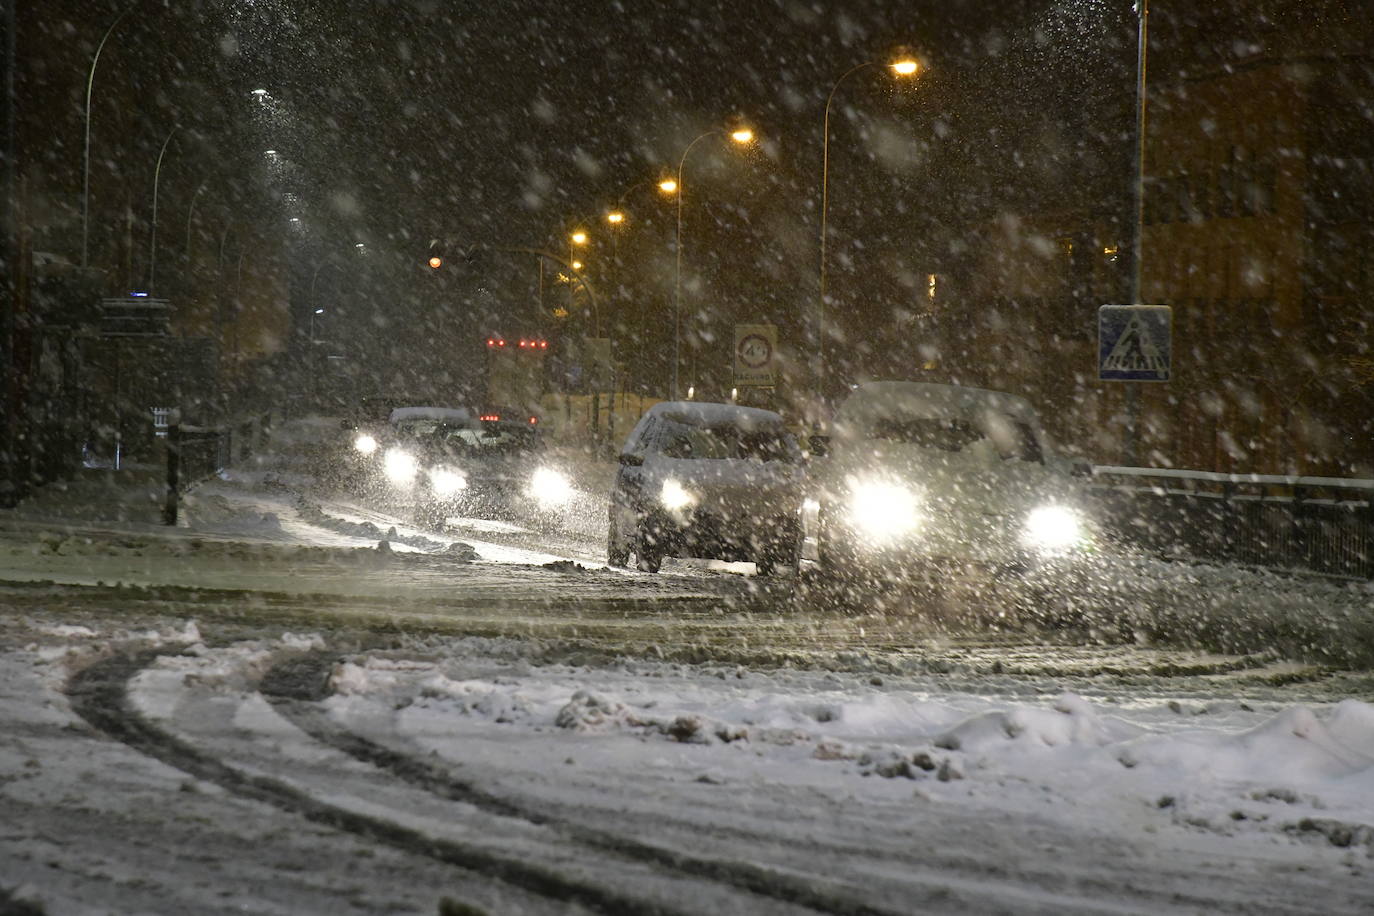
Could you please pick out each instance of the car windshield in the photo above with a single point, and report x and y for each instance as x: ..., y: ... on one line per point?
x: 1011, y: 439
x: 719, y: 442
x: 492, y: 440
x: 416, y: 427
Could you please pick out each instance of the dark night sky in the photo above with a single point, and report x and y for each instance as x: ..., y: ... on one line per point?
x: 501, y: 122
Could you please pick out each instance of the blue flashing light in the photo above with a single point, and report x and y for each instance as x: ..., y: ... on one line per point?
x: 139, y: 294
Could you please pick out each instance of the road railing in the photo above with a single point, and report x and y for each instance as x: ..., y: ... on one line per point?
x: 197, y: 453
x: 1321, y: 524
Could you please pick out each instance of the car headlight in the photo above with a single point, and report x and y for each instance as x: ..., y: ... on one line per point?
x: 674, y: 496
x: 1052, y: 528
x: 550, y: 488
x: 883, y: 510
x: 400, y: 466
x: 365, y: 444
x: 446, y: 481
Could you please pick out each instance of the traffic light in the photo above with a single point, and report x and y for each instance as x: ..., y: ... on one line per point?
x: 436, y: 254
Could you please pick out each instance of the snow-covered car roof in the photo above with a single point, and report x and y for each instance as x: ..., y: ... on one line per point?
x: 876, y: 400
x: 705, y: 413
x: 455, y: 415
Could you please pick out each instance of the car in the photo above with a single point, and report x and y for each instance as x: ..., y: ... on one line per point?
x: 709, y: 480
x: 493, y: 465
x: 924, y: 479
x: 392, y: 454
x: 352, y: 459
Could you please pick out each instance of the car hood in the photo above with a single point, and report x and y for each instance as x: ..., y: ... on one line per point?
x: 732, y: 487
x: 961, y: 483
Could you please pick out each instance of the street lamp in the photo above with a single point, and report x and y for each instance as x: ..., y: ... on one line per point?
x: 741, y: 136
x: 86, y: 158
x: 152, y: 235
x: 902, y: 67
x: 1131, y: 450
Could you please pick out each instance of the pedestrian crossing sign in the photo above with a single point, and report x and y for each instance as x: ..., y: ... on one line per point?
x: 1135, y: 343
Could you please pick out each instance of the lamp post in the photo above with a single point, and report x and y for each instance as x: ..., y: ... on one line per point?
x: 903, y: 67
x: 86, y: 157
x: 616, y: 218
x: 190, y: 213
x: 152, y: 235
x: 314, y: 306
x: 579, y: 237
x: 1131, y: 449
x: 742, y: 136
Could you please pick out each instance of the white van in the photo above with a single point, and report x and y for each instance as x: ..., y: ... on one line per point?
x: 922, y: 476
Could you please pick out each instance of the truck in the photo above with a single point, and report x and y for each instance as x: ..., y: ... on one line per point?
x: 515, y: 375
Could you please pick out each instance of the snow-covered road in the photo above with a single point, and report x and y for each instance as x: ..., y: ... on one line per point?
x: 297, y: 703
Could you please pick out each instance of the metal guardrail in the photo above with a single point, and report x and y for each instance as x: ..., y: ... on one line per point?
x: 1321, y: 524
x: 197, y: 453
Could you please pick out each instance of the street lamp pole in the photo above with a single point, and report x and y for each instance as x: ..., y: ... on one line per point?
x: 739, y: 136
x: 190, y: 214
x: 1131, y: 447
x: 152, y: 235
x: 677, y: 270
x: 901, y: 68
x: 86, y: 158
x: 616, y: 218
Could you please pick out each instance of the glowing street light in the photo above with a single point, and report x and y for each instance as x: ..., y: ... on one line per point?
x: 741, y: 136
x: 903, y: 67
x: 579, y: 237
x: 615, y: 217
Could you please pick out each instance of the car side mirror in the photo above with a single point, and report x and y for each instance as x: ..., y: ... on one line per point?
x: 630, y: 460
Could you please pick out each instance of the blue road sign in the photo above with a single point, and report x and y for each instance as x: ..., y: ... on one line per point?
x: 1135, y: 343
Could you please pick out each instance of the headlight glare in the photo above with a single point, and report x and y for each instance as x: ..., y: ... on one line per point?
x: 550, y: 488
x: 674, y: 496
x: 365, y: 444
x: 1053, y: 528
x: 400, y: 466
x: 882, y: 509
x: 446, y: 482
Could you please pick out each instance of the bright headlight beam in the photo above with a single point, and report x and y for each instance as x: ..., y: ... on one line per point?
x: 550, y: 488
x: 674, y: 496
x: 446, y: 482
x: 1053, y: 528
x: 365, y: 444
x: 400, y: 466
x: 883, y: 510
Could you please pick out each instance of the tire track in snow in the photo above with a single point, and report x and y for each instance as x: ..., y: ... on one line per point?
x: 296, y: 685
x: 99, y: 694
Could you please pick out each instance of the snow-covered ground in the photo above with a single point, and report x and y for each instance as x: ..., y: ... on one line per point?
x: 285, y: 706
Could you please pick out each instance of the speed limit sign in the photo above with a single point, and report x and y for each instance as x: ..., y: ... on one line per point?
x: 756, y: 349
